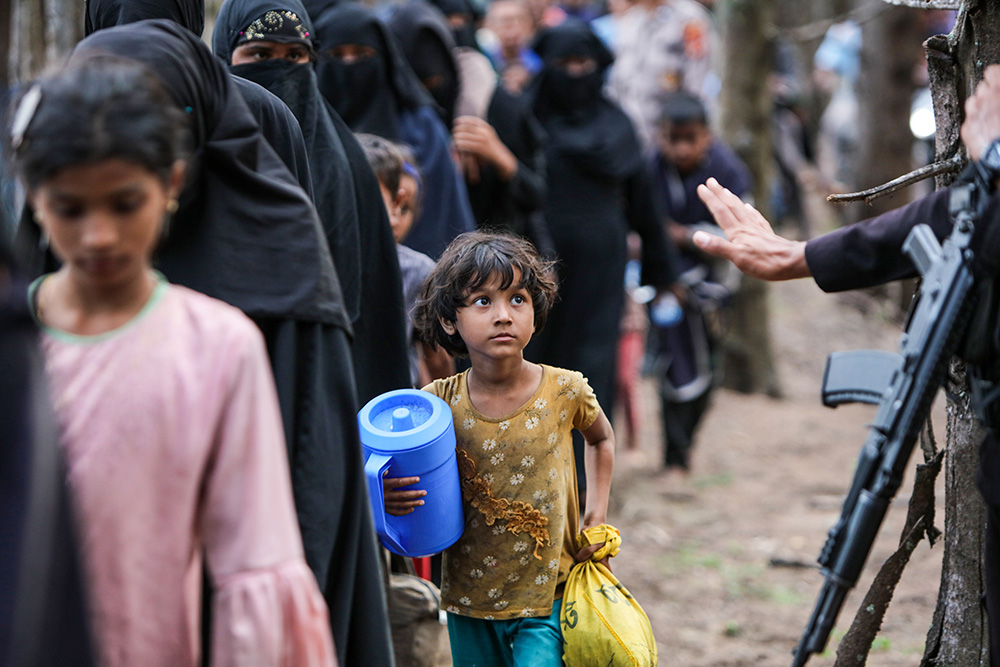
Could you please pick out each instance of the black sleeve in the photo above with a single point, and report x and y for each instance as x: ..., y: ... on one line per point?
x: 870, y: 252
x: 315, y: 381
x: 659, y: 256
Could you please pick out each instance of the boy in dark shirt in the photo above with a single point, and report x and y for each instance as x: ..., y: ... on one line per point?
x: 687, y: 155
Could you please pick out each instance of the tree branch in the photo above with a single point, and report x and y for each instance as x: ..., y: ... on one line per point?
x: 856, y: 644
x: 952, y: 164
x: 927, y: 4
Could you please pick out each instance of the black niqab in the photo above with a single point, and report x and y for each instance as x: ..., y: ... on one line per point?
x: 368, y: 94
x: 245, y: 233
x: 332, y: 186
x: 101, y: 14
x: 276, y: 122
x: 582, y: 124
x: 426, y: 40
x: 348, y: 199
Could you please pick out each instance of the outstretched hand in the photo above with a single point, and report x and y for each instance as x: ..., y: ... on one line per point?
x: 750, y: 242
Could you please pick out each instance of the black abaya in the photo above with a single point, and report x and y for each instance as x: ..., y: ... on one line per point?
x: 381, y: 95
x: 276, y: 122
x: 598, y: 190
x: 513, y: 205
x: 348, y: 199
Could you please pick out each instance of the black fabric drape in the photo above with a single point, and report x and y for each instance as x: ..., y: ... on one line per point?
x: 245, y: 232
x: 427, y: 44
x: 102, y: 14
x: 277, y: 123
x: 382, y: 96
x: 281, y: 130
x: 295, y: 85
x: 43, y: 609
x: 598, y: 190
x: 332, y: 500
x: 368, y: 94
x: 349, y: 201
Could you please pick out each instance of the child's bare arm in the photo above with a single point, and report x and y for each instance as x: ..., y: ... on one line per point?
x: 598, y: 463
x: 401, y: 503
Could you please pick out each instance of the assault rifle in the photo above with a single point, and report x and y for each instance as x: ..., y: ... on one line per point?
x: 903, y: 386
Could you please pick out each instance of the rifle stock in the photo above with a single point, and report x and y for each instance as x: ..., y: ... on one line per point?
x: 935, y: 325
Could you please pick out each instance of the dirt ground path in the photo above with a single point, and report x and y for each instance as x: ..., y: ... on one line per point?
x: 769, y: 478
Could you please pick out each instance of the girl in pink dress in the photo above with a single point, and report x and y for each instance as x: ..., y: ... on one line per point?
x: 165, y: 400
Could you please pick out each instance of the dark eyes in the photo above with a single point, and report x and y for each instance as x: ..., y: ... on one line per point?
x: 128, y: 205
x: 121, y: 207
x: 517, y: 300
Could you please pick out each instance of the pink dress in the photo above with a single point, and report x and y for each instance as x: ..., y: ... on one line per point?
x: 175, y: 451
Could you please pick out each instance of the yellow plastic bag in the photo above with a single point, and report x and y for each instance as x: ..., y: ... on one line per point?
x: 602, y: 623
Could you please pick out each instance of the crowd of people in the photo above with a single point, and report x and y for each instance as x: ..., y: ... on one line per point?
x: 218, y: 254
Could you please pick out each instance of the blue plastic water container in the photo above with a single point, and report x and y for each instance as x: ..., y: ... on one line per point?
x: 410, y: 433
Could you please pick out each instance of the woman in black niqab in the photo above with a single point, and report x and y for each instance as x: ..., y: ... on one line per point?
x: 247, y: 234
x: 363, y: 74
x: 345, y: 189
x: 427, y: 45
x: 598, y: 190
x: 276, y: 122
x: 511, y: 203
x: 368, y: 92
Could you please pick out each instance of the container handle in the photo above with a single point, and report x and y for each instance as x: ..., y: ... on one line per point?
x: 375, y: 467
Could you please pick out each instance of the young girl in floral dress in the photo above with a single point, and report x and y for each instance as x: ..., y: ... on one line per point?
x: 502, y: 581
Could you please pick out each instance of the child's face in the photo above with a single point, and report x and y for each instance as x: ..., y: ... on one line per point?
x: 391, y: 206
x: 406, y: 200
x: 495, y: 323
x: 104, y: 219
x: 684, y: 144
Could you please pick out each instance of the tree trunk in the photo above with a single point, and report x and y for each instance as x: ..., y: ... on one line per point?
x: 42, y: 32
x: 958, y: 635
x: 748, y: 26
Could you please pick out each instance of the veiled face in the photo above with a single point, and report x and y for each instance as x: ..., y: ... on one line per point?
x: 258, y: 51
x: 351, y: 53
x: 577, y: 66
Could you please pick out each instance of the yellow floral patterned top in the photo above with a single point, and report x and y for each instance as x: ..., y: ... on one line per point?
x: 519, y: 495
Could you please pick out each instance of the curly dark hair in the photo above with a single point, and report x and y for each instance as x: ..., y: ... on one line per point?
x: 469, y: 262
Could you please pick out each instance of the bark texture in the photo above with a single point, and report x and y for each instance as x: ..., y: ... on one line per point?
x: 745, y: 118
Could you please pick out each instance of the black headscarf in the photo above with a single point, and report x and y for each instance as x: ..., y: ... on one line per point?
x: 245, y: 233
x: 583, y: 125
x: 464, y: 35
x: 276, y: 122
x: 102, y: 14
x: 332, y: 185
x: 369, y: 94
x: 426, y: 41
